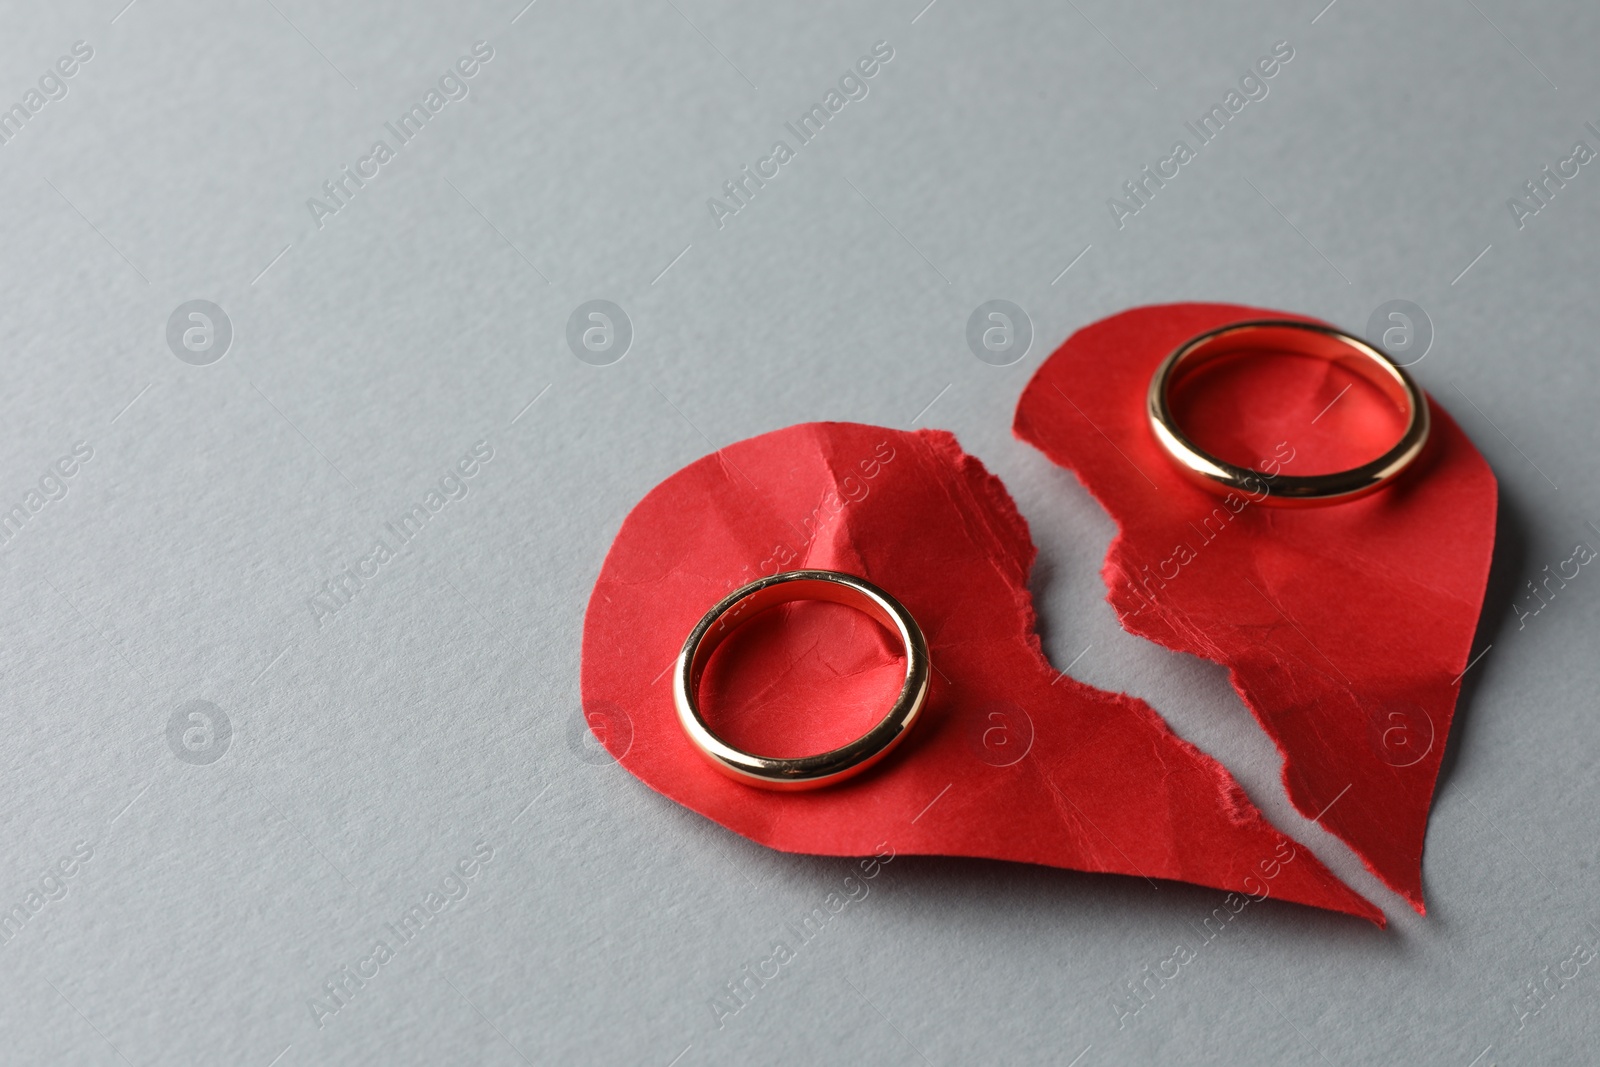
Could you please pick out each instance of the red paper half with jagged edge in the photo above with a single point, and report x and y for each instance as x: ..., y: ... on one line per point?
x: 1010, y: 761
x: 1344, y: 628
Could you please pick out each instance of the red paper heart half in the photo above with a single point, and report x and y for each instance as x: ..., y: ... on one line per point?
x: 1010, y: 760
x: 1344, y: 628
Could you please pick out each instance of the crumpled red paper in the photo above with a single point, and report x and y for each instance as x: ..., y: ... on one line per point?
x: 1010, y: 761
x: 1346, y: 628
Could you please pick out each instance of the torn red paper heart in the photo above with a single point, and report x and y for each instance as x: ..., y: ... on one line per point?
x: 1010, y: 760
x: 1346, y: 628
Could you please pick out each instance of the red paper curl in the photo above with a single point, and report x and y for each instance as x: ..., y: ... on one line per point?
x: 1344, y: 628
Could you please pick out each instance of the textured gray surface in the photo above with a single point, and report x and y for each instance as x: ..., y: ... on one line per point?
x: 374, y: 747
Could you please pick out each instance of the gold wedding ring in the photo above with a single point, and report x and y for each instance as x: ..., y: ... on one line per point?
x: 803, y: 772
x: 1270, y: 336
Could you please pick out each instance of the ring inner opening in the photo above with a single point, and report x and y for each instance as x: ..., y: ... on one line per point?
x: 1287, y: 401
x: 801, y: 678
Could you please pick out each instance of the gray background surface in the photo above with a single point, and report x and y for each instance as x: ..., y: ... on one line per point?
x: 370, y: 750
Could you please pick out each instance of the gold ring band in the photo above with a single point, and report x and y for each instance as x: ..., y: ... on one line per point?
x: 803, y: 772
x: 1299, y: 338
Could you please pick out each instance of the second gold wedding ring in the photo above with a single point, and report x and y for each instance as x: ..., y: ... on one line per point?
x: 1292, y: 338
x: 802, y: 772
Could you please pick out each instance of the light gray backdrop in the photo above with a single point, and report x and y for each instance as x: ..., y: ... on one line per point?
x: 353, y: 754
